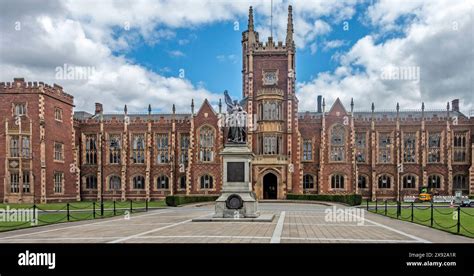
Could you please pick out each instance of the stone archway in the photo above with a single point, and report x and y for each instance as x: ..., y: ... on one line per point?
x: 270, y: 186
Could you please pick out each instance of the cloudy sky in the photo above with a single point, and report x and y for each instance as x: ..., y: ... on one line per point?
x: 163, y: 52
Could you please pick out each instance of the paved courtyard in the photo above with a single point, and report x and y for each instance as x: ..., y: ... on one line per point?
x: 293, y: 223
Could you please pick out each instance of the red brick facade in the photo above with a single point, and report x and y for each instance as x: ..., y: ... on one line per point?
x: 149, y: 156
x: 30, y: 131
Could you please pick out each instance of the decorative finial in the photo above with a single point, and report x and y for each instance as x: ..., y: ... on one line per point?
x: 250, y: 27
x: 373, y: 107
x: 220, y: 105
x: 149, y: 109
x: 289, y: 28
x: 174, y: 109
x: 125, y: 109
x: 352, y: 103
x: 324, y: 104
x: 423, y: 106
x: 398, y: 107
x: 447, y: 106
x: 192, y: 106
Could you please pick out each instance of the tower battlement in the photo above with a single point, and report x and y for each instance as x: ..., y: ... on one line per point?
x: 19, y: 85
x: 251, y: 37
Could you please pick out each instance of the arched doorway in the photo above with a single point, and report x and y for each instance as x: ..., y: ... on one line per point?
x: 270, y: 185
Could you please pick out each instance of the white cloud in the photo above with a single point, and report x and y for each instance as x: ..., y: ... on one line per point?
x: 313, y: 48
x: 443, y: 54
x: 91, y: 33
x: 332, y: 44
x: 46, y: 42
x: 227, y: 58
x: 176, y: 53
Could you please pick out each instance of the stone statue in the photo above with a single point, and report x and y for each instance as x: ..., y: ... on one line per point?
x: 236, y: 120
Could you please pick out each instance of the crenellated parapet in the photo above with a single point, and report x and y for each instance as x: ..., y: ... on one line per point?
x: 20, y: 86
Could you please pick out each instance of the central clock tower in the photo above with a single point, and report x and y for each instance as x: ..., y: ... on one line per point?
x: 268, y: 72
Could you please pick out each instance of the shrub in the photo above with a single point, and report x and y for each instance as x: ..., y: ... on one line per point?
x: 350, y: 199
x: 176, y: 200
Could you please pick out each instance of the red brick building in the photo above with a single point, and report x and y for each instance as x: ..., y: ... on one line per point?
x: 50, y: 153
x: 37, y: 143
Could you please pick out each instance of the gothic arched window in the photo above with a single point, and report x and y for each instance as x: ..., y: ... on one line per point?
x: 460, y: 182
x: 384, y: 181
x: 139, y: 182
x: 91, y: 182
x: 337, y: 181
x: 138, y: 149
x: 206, y: 182
x: 308, y: 181
x: 362, y: 181
x: 206, y: 144
x: 162, y: 182
x: 115, y: 182
x: 337, y: 143
x: 434, y: 181
x: 409, y: 181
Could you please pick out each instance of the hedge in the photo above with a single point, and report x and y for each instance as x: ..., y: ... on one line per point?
x: 176, y: 200
x: 350, y: 199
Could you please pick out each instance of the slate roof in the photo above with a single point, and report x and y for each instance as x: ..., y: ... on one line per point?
x: 82, y: 115
x: 392, y: 114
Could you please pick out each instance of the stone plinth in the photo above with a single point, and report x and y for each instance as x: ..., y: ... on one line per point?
x: 237, y: 199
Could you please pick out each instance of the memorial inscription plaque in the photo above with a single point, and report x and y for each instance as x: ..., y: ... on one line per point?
x: 235, y: 171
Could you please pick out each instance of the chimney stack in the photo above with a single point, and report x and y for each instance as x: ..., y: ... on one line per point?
x: 319, y: 103
x: 455, y: 105
x: 98, y: 108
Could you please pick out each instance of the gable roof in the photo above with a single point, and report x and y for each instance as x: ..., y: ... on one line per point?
x: 208, y: 105
x: 337, y: 106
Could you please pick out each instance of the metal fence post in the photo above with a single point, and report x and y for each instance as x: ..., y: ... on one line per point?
x: 431, y: 214
x: 399, y: 209
x: 93, y: 209
x: 131, y: 206
x: 34, y: 213
x: 385, y: 207
x: 412, y: 212
x: 114, y: 208
x: 146, y: 205
x: 67, y: 206
x: 367, y: 204
x: 376, y: 206
x: 101, y: 208
x: 459, y: 219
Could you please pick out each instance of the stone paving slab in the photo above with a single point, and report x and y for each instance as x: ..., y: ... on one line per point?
x: 292, y: 223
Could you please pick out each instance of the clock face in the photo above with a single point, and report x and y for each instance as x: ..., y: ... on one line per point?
x: 270, y: 78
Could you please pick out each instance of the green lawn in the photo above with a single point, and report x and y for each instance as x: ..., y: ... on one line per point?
x: 85, y: 205
x: 444, y: 218
x: 382, y: 203
x: 50, y: 213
